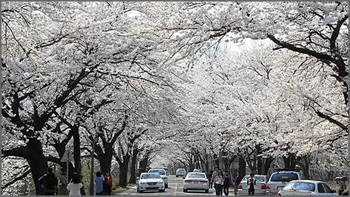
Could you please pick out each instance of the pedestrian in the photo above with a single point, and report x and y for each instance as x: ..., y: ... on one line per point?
x: 62, y: 183
x: 75, y: 185
x: 99, y: 183
x: 237, y: 181
x: 218, y: 182
x: 251, y: 182
x: 215, y: 173
x: 108, y: 180
x: 49, y: 182
x: 227, y: 182
x: 106, y: 188
x: 210, y: 175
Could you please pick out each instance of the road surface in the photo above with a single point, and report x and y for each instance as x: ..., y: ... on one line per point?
x: 175, y: 189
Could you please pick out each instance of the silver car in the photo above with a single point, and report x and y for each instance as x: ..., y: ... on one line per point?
x: 180, y: 172
x: 307, y: 188
x: 150, y: 181
x: 280, y: 179
x: 162, y: 173
x: 260, y: 186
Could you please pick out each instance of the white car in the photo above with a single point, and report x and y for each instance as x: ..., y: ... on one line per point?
x: 260, y: 186
x: 307, y: 188
x: 280, y: 179
x: 196, y: 181
x: 150, y: 182
x: 180, y: 172
x: 162, y: 174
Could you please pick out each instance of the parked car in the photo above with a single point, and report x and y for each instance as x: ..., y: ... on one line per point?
x: 260, y: 188
x: 162, y: 173
x: 307, y: 188
x: 196, y: 181
x: 180, y: 172
x: 150, y: 182
x: 280, y: 179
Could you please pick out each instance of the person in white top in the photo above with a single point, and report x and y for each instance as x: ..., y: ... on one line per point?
x: 75, y: 185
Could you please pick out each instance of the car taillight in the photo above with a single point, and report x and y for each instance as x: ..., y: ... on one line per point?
x: 265, y: 186
x: 240, y: 187
x: 203, y: 181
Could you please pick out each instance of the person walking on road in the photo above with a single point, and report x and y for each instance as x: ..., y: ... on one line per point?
x: 227, y: 182
x: 210, y: 176
x: 215, y: 173
x: 49, y: 182
x: 75, y: 185
x: 237, y: 181
x: 218, y: 183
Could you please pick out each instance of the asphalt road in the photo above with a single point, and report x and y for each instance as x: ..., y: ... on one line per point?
x: 175, y: 189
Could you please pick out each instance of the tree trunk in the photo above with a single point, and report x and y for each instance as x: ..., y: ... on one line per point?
x: 290, y: 161
x: 143, y: 164
x: 105, y: 157
x: 242, y: 166
x: 76, y: 149
x: 267, y: 164
x: 37, y: 163
x: 135, y: 152
x: 304, y: 164
x: 123, y: 172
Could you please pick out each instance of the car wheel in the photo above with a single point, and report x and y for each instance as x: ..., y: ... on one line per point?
x: 163, y: 190
x: 184, y: 190
x: 138, y: 190
x: 207, y: 191
x: 166, y: 185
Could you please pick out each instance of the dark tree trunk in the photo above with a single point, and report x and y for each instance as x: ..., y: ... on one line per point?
x: 304, y: 164
x: 123, y: 172
x: 105, y: 164
x: 242, y: 166
x: 259, y: 160
x: 267, y: 164
x: 143, y: 164
x: 135, y: 152
x: 290, y: 161
x: 37, y: 162
x: 76, y: 150
x: 105, y: 157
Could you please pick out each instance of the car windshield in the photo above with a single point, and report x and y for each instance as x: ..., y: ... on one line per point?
x: 284, y: 177
x: 260, y: 178
x: 257, y: 178
x: 300, y: 186
x: 150, y: 176
x: 196, y: 176
x: 161, y: 172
